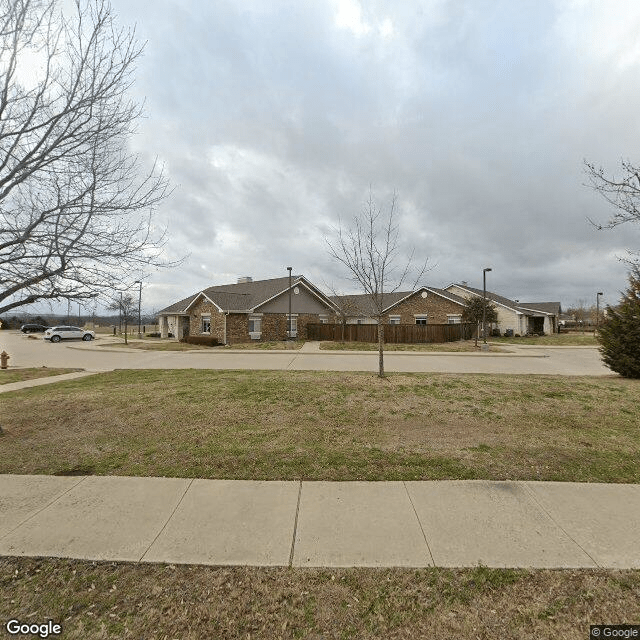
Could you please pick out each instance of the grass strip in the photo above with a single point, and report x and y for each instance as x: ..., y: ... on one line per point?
x: 120, y: 600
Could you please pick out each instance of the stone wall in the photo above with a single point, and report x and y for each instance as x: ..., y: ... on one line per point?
x: 203, y: 306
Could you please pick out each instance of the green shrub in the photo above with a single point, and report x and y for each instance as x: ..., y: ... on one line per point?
x: 208, y: 341
x: 619, y: 335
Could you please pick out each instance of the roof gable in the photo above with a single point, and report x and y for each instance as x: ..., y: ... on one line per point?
x: 245, y: 297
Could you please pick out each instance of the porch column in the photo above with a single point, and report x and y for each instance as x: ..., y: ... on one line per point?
x: 164, y: 327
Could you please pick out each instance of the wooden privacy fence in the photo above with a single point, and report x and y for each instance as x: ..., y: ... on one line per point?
x: 398, y: 333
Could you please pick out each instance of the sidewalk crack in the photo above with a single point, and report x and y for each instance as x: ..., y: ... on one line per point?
x: 424, y: 535
x: 295, y: 526
x: 46, y: 506
x: 533, y: 496
x: 164, y: 526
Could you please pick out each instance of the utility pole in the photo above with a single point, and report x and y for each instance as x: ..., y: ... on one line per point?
x: 484, y: 305
x: 139, y: 307
x: 289, y: 327
x: 598, y: 309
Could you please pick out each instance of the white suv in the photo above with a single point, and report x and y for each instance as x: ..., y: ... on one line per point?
x: 55, y: 334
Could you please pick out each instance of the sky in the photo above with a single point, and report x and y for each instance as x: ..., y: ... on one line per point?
x: 275, y: 119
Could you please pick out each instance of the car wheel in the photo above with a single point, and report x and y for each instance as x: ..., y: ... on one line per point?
x: 55, y: 338
x: 86, y: 337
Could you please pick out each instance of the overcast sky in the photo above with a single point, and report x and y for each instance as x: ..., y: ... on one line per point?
x: 274, y: 118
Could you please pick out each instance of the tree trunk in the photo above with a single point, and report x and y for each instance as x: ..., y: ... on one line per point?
x: 125, y: 332
x: 380, y: 348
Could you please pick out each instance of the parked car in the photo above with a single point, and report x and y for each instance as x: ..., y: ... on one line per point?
x: 33, y: 328
x: 55, y: 334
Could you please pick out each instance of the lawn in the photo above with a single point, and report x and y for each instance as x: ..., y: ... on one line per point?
x: 157, y: 344
x: 467, y: 346
x: 284, y: 425
x: 18, y: 375
x: 554, y: 340
x: 120, y: 600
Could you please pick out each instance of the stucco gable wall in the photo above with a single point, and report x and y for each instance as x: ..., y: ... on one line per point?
x: 303, y: 302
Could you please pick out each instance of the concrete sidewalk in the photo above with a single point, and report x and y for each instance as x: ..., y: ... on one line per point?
x: 317, y: 524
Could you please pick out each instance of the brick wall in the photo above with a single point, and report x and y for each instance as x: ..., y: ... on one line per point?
x: 435, y: 307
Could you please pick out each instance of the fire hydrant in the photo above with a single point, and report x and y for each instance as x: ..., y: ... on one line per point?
x: 4, y: 356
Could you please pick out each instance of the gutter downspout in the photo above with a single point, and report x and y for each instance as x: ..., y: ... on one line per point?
x: 224, y: 335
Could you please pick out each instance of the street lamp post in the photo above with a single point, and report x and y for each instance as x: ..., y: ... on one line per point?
x: 484, y: 303
x: 139, y: 307
x: 598, y: 309
x: 289, y: 326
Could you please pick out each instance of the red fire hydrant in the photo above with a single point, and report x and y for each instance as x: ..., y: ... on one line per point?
x: 4, y: 356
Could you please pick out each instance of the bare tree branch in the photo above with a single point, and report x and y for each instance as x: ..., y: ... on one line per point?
x: 76, y: 212
x: 368, y: 250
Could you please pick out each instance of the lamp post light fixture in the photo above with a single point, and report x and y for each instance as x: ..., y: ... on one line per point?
x: 289, y: 324
x: 484, y: 303
x: 139, y: 308
x: 598, y: 309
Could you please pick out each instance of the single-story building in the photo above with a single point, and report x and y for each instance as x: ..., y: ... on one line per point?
x: 520, y: 317
x: 248, y: 310
x: 258, y: 310
x: 426, y: 305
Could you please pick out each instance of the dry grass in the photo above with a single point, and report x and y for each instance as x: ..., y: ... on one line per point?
x: 277, y: 345
x: 119, y: 600
x: 18, y: 375
x: 157, y: 344
x: 554, y: 340
x: 466, y: 346
x: 326, y: 426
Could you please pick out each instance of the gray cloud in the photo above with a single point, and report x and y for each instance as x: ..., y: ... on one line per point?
x: 275, y: 118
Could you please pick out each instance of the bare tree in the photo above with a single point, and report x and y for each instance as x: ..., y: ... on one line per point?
x: 345, y: 307
x: 580, y: 313
x: 623, y: 193
x: 75, y: 208
x: 127, y: 308
x: 368, y: 249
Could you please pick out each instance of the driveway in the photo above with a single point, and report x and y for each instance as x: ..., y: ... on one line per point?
x: 27, y: 352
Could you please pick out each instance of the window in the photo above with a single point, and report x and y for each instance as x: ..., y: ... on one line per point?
x: 255, y: 327
x: 454, y: 318
x: 421, y: 319
x: 206, y: 324
x: 293, y: 328
x: 324, y: 319
x: 394, y: 319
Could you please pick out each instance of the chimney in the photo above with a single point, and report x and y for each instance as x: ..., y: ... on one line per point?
x: 244, y: 279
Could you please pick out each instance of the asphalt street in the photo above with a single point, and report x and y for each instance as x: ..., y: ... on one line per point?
x: 26, y: 351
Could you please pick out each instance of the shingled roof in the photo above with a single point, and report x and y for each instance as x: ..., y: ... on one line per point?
x: 363, y: 305
x: 242, y: 296
x: 552, y: 308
